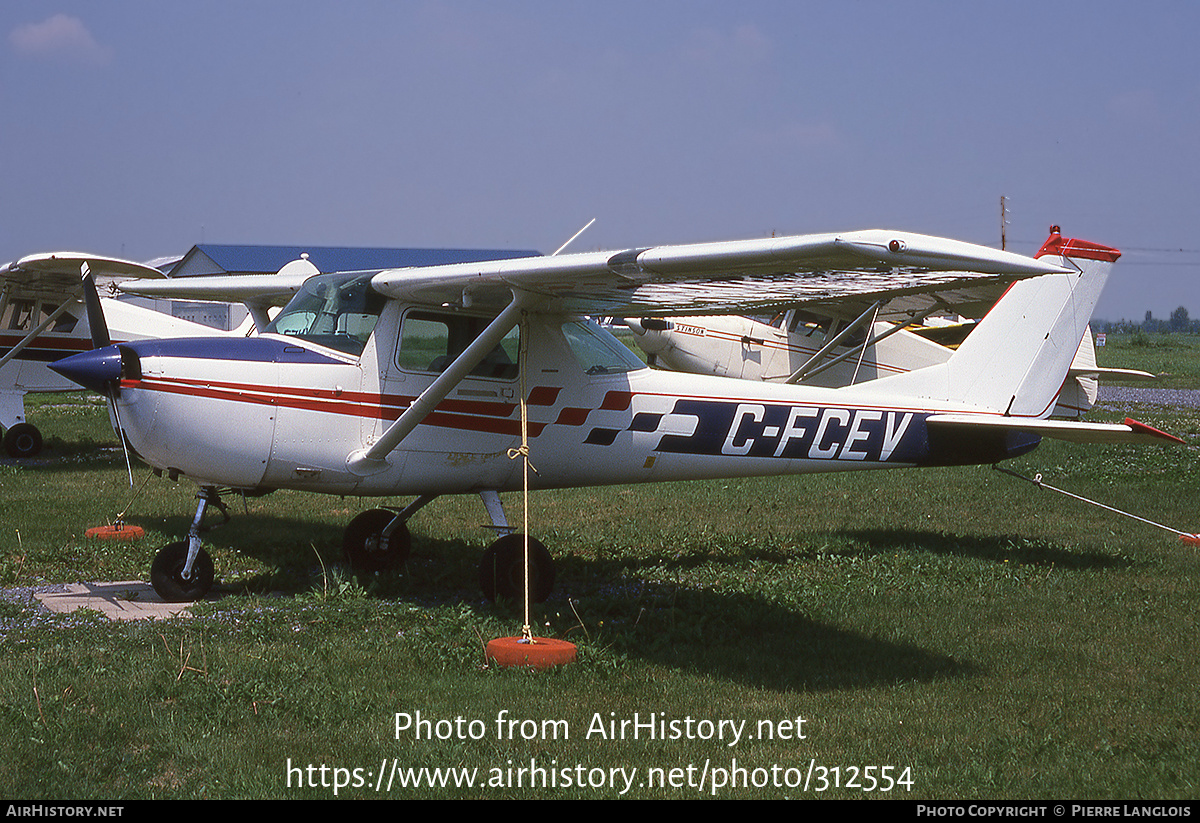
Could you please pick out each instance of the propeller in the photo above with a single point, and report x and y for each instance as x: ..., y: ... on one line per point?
x: 95, y: 313
x: 100, y: 368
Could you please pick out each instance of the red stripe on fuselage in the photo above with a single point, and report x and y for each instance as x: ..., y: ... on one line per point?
x: 459, y: 414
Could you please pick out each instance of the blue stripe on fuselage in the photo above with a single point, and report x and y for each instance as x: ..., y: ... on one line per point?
x: 829, y: 433
x: 253, y: 349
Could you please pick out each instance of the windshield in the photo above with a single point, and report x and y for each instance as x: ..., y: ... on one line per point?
x: 334, y: 310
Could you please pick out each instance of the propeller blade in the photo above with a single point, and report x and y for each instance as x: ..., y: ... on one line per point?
x: 95, y: 314
x: 100, y: 368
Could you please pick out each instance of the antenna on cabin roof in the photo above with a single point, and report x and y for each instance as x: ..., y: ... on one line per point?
x: 573, y: 236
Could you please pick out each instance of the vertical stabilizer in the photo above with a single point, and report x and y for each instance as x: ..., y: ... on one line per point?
x: 1017, y: 358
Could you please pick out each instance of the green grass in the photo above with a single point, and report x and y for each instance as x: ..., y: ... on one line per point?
x: 997, y: 640
x: 1175, y: 358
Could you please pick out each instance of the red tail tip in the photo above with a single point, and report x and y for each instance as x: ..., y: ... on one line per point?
x: 1056, y: 244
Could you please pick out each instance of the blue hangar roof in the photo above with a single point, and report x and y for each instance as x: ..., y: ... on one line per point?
x: 207, y: 259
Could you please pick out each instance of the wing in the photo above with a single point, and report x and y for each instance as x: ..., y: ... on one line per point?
x: 256, y: 289
x: 849, y: 271
x: 57, y: 275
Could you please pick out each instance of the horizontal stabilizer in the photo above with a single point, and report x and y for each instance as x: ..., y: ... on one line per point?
x: 1129, y: 432
x: 1112, y: 374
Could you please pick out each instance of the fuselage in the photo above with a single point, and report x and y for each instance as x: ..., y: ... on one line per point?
x: 279, y: 411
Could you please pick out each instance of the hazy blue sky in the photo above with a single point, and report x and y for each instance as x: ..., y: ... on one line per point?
x: 142, y: 128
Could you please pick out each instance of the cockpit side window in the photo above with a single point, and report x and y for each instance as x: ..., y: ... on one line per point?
x: 333, y: 310
x: 18, y: 315
x: 430, y: 342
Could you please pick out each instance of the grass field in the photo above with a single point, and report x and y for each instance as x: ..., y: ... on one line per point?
x: 1175, y: 358
x: 941, y: 634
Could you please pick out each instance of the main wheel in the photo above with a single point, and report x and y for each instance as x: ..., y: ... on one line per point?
x: 166, y: 574
x: 502, y: 570
x: 22, y: 440
x: 365, y: 548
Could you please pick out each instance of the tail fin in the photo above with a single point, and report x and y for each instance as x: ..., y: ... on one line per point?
x: 1016, y: 359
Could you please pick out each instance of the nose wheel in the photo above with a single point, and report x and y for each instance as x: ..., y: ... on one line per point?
x: 183, y: 571
x: 167, y: 574
x: 22, y: 440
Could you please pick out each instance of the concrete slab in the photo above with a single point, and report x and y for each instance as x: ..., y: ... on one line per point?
x: 127, y: 600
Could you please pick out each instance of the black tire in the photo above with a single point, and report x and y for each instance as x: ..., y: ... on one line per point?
x: 361, y: 542
x: 166, y: 574
x: 502, y: 570
x: 22, y: 440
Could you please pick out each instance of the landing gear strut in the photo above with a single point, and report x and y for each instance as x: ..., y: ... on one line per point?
x: 183, y: 572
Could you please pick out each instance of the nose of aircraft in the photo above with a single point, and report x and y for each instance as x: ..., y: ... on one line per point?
x: 96, y: 369
x: 648, y: 331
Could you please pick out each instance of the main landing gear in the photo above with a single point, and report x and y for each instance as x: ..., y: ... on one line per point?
x: 379, y: 539
x: 376, y: 540
x: 183, y: 571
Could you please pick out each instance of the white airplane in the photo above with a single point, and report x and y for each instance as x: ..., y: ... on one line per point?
x: 42, y: 319
x: 421, y: 381
x: 819, y: 346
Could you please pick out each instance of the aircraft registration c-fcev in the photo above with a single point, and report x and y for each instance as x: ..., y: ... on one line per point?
x: 419, y: 381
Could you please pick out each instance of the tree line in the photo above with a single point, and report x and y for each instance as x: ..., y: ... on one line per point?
x: 1177, y: 323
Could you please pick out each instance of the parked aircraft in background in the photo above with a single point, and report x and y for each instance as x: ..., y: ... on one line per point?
x: 427, y: 381
x: 806, y: 346
x: 42, y: 319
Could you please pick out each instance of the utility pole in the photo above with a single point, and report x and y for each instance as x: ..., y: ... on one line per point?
x: 1003, y: 223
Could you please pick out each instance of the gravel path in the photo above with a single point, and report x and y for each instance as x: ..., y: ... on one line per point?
x: 1158, y: 397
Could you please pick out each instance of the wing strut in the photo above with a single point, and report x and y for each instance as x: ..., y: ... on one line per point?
x: 370, y: 461
x: 800, y: 373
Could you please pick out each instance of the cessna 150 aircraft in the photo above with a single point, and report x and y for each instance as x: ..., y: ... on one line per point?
x: 42, y: 320
x: 427, y: 381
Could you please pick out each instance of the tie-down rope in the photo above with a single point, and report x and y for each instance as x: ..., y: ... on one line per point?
x: 523, y: 452
x: 1037, y: 481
